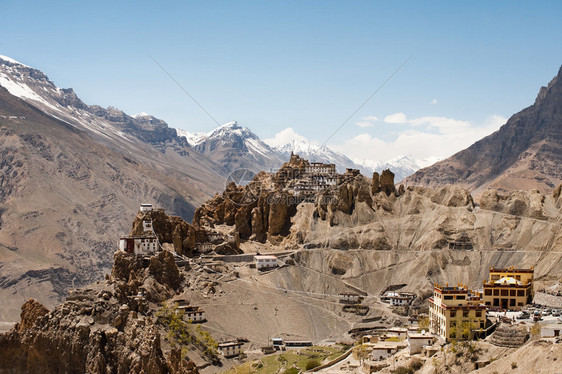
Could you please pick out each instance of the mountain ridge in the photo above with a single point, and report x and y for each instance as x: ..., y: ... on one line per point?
x: 524, y: 153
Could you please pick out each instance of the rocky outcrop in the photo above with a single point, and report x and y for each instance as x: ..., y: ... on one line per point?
x: 158, y: 279
x: 105, y: 329
x: 387, y: 182
x: 30, y: 311
x: 375, y: 183
x: 519, y: 203
x: 255, y: 211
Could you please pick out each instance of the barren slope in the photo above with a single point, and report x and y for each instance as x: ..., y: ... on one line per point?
x: 65, y: 199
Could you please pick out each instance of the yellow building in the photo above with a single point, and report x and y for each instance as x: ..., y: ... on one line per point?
x: 456, y: 312
x: 509, y: 288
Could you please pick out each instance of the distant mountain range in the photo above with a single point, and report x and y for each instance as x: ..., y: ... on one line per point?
x: 235, y: 147
x: 525, y: 153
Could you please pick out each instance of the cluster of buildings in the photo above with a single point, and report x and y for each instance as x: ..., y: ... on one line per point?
x: 305, y: 179
x: 376, y: 348
x: 457, y: 312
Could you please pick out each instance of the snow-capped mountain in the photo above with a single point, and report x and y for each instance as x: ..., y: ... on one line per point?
x: 74, y: 174
x: 288, y: 141
x: 402, y: 166
x: 235, y: 147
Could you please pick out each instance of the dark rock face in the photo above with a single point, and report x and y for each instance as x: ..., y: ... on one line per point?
x: 30, y: 311
x: 158, y: 281
x: 255, y: 212
x: 387, y: 182
x: 524, y: 153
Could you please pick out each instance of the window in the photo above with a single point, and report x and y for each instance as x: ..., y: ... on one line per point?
x: 478, y: 313
x: 496, y: 292
x: 452, y: 324
x: 448, y: 297
x: 520, y: 293
x: 465, y: 313
x: 511, y: 302
x: 488, y: 292
x: 505, y: 292
x: 460, y: 297
x: 511, y: 292
x: 453, y: 313
x: 518, y: 277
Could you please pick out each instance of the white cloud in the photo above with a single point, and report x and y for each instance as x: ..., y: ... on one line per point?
x: 434, y: 101
x: 283, y: 137
x: 425, y: 138
x: 367, y: 121
x: 395, y: 118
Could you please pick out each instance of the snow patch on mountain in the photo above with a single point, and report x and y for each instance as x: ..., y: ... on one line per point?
x: 11, y: 60
x: 402, y: 166
x: 287, y: 141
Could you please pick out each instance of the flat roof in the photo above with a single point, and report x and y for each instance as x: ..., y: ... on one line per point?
x: 230, y: 344
x: 552, y: 325
x: 420, y: 336
x: 386, y: 345
x: 265, y: 257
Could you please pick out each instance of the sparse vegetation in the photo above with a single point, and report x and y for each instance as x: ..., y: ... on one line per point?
x: 289, y: 361
x: 514, y: 365
x: 423, y: 324
x: 311, y: 364
x: 535, y: 330
x: 184, y: 334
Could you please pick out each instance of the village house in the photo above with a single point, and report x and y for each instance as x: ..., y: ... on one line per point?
x: 298, y: 343
x: 146, y: 208
x: 205, y: 247
x: 400, y: 298
x: 454, y: 309
x: 320, y: 168
x: 277, y: 343
x: 265, y: 261
x: 416, y: 342
x: 509, y: 288
x: 193, y: 313
x: 139, y: 245
x: 351, y: 298
x: 230, y: 349
x: 396, y: 332
x: 551, y: 330
x: 382, y: 350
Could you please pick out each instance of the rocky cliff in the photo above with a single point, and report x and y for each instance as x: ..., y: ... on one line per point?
x: 525, y: 153
x: 111, y: 327
x: 363, y: 213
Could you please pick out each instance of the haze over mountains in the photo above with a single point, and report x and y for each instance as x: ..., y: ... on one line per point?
x: 524, y: 153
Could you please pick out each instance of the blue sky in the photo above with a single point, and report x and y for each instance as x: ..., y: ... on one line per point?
x: 305, y: 65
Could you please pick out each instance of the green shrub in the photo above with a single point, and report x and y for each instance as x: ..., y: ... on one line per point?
x: 291, y: 371
x: 514, y: 365
x: 311, y: 364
